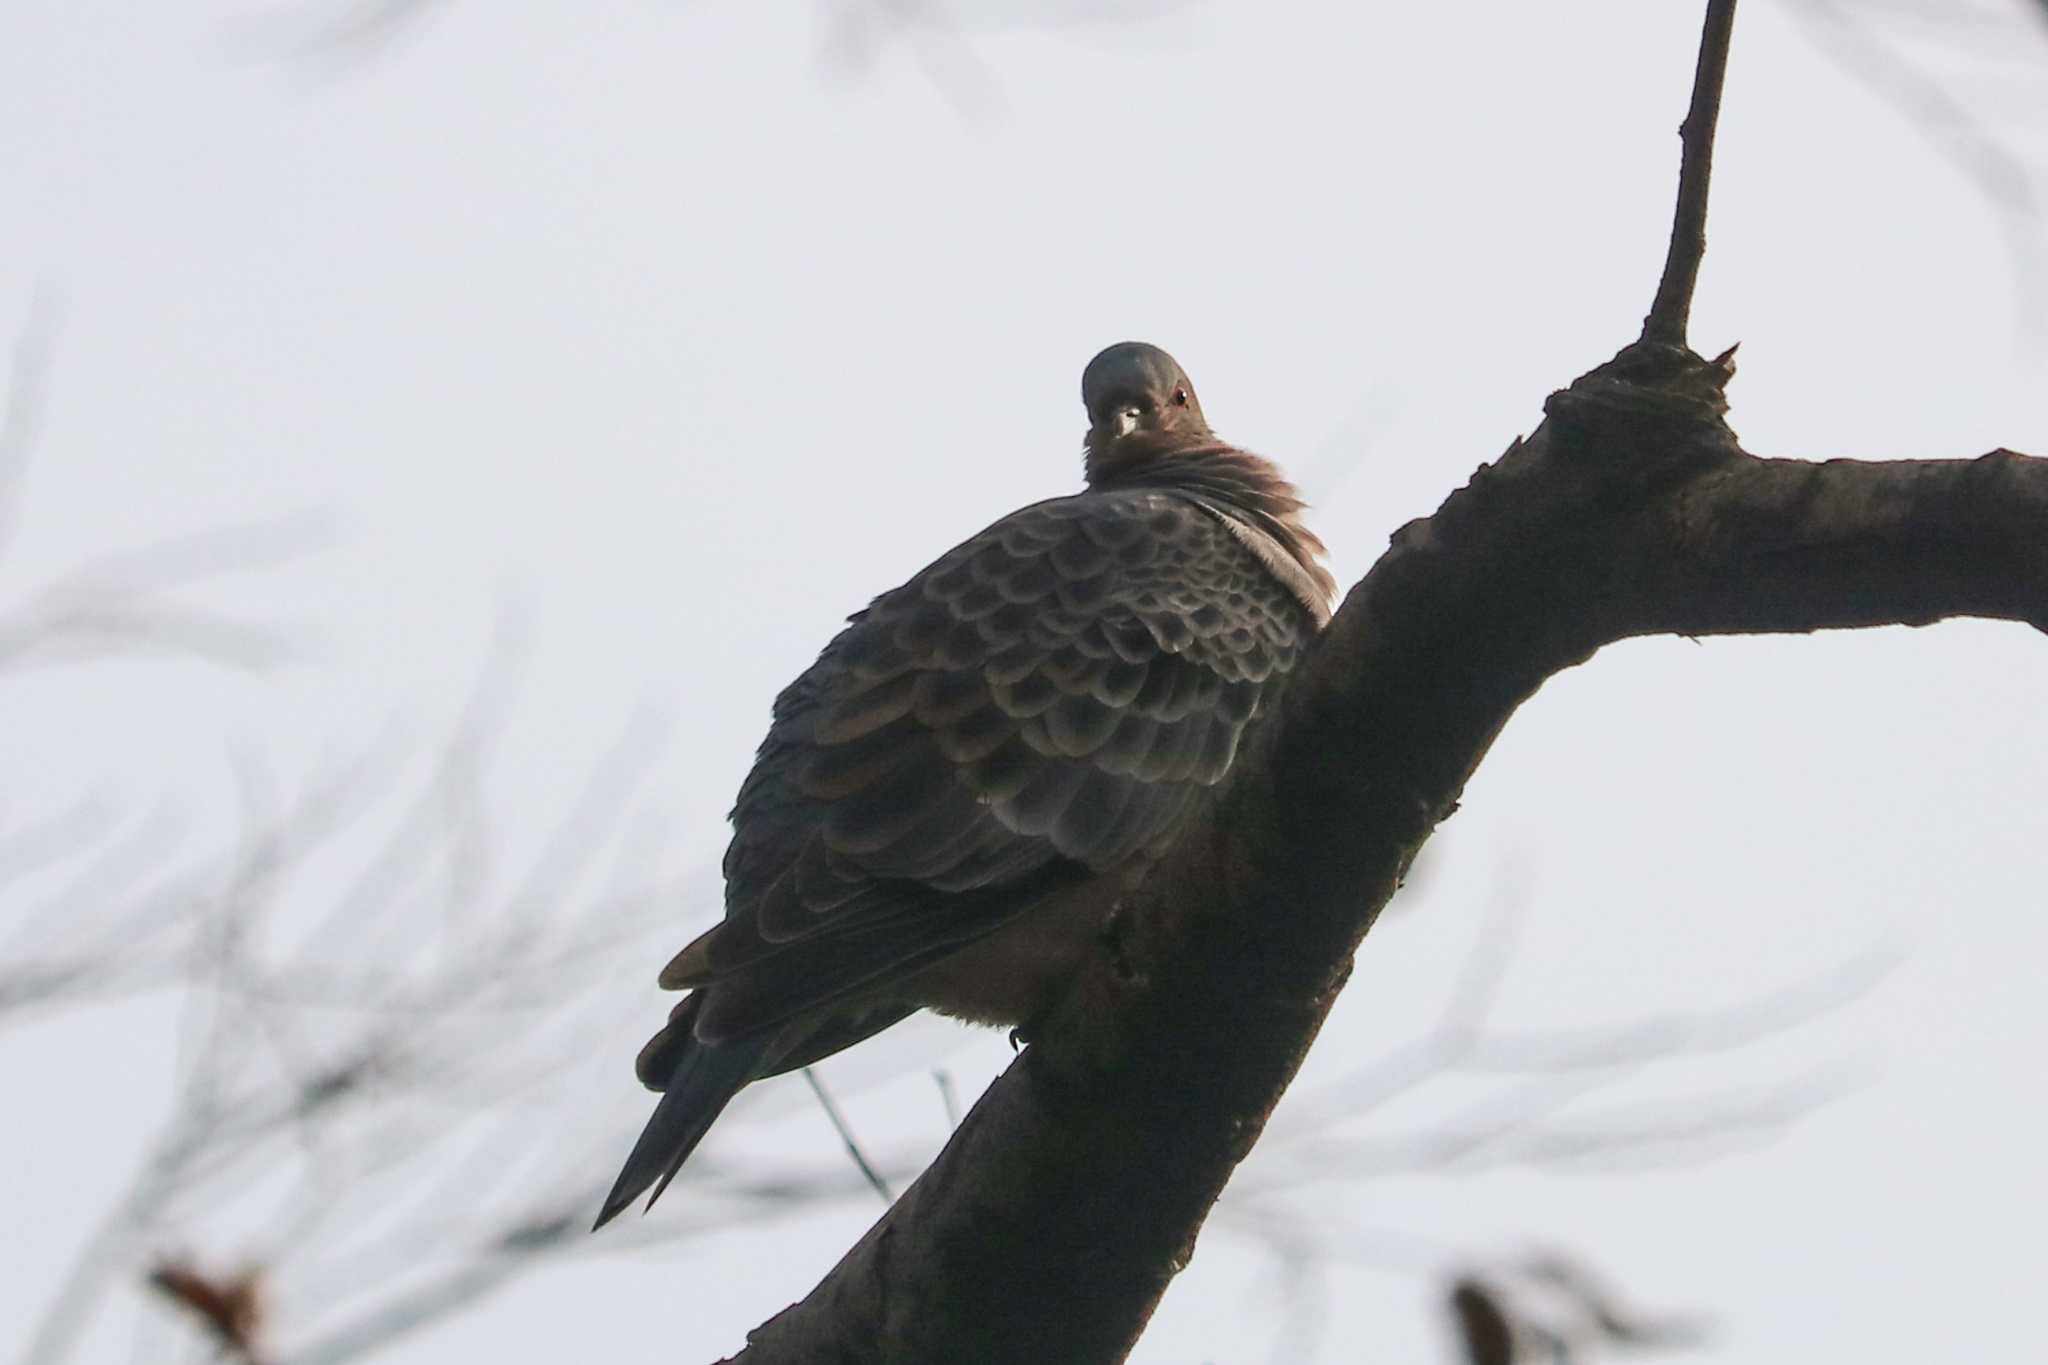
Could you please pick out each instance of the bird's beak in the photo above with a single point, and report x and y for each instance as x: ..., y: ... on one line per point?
x: 1126, y: 421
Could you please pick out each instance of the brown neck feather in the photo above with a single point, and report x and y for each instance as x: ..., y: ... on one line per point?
x: 1248, y: 484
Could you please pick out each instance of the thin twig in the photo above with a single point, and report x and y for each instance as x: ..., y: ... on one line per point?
x: 1673, y: 306
x: 853, y: 1150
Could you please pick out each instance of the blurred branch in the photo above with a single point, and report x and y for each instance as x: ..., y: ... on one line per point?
x: 372, y: 1123
x: 932, y: 34
x: 855, y: 35
x: 374, y: 23
x: 230, y: 1310
x: 1852, y: 38
x: 1339, y: 1132
x: 1551, y: 1072
x: 121, y: 922
x: 381, y: 1113
x: 1551, y: 1308
x: 91, y: 622
x: 28, y: 376
x: 119, y: 601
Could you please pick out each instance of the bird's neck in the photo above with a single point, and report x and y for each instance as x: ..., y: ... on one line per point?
x: 1243, y: 483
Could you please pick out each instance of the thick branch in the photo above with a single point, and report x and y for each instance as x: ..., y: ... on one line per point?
x: 1074, y: 1191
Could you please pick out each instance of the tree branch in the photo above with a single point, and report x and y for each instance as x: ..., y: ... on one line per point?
x: 1672, y: 308
x: 1074, y: 1191
x: 1084, y: 1174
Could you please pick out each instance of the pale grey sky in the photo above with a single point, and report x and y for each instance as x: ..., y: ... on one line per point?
x: 686, y: 327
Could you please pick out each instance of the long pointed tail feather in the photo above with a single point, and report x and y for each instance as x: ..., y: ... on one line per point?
x: 705, y: 1079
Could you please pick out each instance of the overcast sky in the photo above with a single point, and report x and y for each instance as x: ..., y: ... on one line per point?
x: 657, y: 336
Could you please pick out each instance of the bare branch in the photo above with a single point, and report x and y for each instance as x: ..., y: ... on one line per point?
x: 1672, y: 308
x: 120, y: 600
x: 949, y: 1096
x: 1499, y: 1320
x: 27, y: 378
x: 1896, y: 71
x: 846, y: 1137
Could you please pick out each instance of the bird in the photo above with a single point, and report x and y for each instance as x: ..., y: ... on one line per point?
x: 952, y: 800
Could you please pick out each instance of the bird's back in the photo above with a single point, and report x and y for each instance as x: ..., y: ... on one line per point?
x: 1047, y: 702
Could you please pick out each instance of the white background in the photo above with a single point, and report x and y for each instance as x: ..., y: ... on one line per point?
x: 684, y: 328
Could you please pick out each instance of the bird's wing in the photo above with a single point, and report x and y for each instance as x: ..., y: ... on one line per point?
x: 1044, y: 703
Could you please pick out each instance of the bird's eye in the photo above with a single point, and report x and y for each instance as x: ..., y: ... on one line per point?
x: 1180, y: 397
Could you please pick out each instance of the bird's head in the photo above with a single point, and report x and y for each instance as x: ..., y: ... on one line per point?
x: 1140, y: 405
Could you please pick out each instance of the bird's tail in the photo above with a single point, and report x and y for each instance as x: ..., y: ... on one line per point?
x: 705, y: 1078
